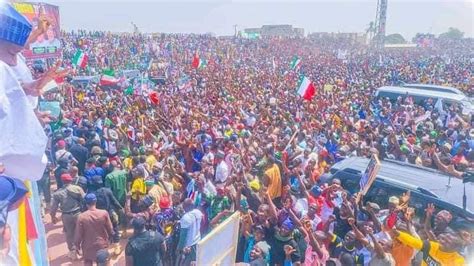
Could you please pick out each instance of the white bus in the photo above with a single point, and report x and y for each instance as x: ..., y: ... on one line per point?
x: 419, y: 96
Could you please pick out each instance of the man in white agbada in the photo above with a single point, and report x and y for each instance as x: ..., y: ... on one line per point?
x: 23, y: 139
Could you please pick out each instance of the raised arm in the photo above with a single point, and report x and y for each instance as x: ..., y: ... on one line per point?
x: 378, y: 248
x: 358, y: 233
x: 273, y: 209
x: 408, y: 239
x: 427, y: 223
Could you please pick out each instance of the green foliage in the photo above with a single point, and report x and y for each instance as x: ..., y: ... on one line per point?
x: 452, y: 33
x: 395, y: 38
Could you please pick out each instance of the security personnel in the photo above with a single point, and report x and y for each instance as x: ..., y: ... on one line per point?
x: 69, y: 200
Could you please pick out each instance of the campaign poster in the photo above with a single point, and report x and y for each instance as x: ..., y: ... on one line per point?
x: 369, y: 174
x: 48, y: 45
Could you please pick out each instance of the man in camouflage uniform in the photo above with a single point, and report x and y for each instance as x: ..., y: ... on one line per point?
x: 69, y: 200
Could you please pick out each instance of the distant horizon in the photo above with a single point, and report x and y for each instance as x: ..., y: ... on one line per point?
x: 217, y: 17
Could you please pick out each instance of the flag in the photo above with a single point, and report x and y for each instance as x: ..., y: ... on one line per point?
x: 131, y: 133
x: 199, y: 62
x: 195, y: 63
x: 184, y: 82
x: 129, y: 90
x: 295, y: 62
x: 154, y: 98
x: 273, y: 63
x: 439, y: 106
x: 80, y: 59
x: 202, y: 63
x: 306, y: 88
x: 108, y: 78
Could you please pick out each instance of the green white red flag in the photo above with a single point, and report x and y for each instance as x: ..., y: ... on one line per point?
x: 306, y: 88
x: 295, y: 62
x: 80, y: 59
x: 108, y: 78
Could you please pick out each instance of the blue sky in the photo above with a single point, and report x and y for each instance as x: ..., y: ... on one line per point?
x: 405, y: 17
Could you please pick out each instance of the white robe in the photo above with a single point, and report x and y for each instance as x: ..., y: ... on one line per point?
x: 22, y: 138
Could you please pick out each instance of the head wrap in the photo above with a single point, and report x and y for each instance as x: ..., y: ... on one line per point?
x: 288, y: 225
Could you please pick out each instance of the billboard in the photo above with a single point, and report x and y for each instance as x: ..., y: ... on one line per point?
x: 47, y: 45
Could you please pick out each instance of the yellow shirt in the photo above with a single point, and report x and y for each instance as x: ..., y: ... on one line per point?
x: 138, y: 188
x: 274, y: 181
x: 432, y: 255
x: 128, y: 163
x: 150, y: 161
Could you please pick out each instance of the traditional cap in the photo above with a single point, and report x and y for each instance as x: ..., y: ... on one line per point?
x: 14, y: 27
x: 66, y: 178
x: 445, y: 215
x: 11, y: 189
x: 447, y: 146
x: 264, y: 247
x: 394, y: 200
x: 90, y: 198
x: 373, y: 205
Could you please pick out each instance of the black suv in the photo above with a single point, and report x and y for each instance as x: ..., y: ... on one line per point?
x: 425, y: 184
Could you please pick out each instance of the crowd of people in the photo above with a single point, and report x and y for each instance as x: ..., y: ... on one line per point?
x: 175, y: 158
x: 235, y: 137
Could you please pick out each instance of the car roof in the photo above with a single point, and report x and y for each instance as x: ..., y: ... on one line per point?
x: 414, y: 177
x: 422, y: 86
x: 418, y: 92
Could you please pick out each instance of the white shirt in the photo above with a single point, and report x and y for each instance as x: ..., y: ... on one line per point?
x: 222, y: 172
x: 192, y: 221
x: 23, y: 138
x: 23, y: 74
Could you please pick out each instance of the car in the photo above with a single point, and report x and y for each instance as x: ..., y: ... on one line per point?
x: 430, y: 87
x: 419, y: 96
x: 426, y: 185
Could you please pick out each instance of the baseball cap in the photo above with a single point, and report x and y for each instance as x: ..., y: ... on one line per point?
x: 90, y: 198
x: 66, y: 177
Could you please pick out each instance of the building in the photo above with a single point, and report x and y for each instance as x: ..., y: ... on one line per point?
x: 275, y: 31
x: 356, y: 37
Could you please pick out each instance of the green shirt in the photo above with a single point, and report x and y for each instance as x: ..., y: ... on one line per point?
x: 117, y: 182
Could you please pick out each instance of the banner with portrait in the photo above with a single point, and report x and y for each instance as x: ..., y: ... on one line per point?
x: 48, y: 45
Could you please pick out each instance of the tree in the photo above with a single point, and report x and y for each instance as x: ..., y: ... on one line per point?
x: 420, y: 36
x: 452, y: 33
x: 395, y: 38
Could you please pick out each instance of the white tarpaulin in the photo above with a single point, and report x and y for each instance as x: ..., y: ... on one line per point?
x: 219, y: 247
x: 23, y: 141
